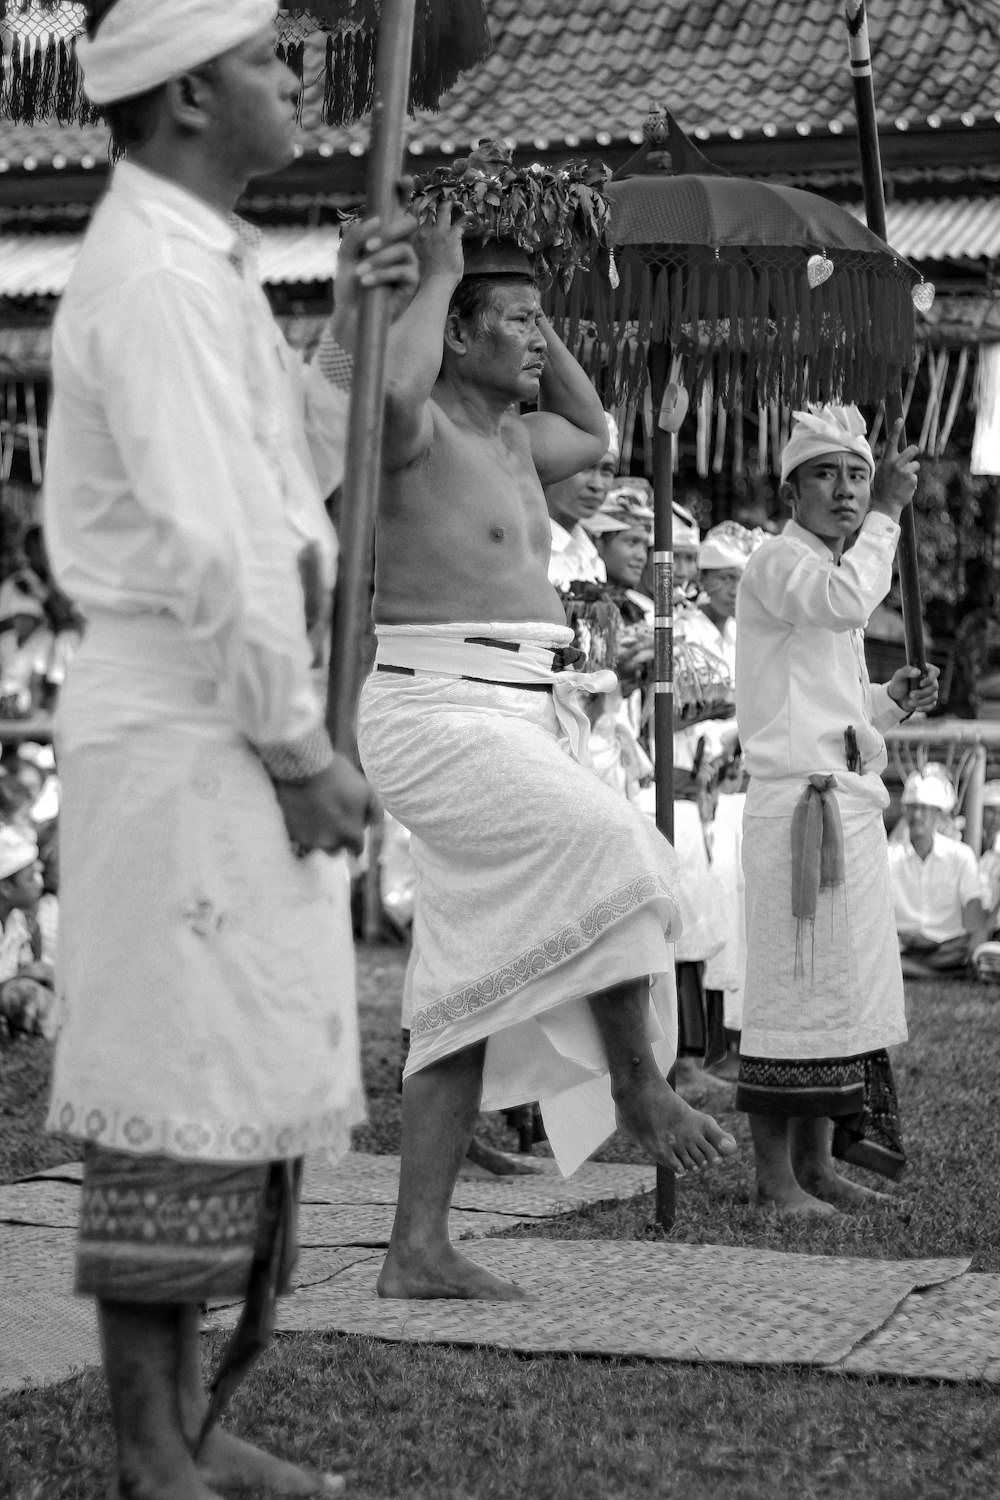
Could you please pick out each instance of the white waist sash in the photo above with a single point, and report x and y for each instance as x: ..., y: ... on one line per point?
x: 447, y: 651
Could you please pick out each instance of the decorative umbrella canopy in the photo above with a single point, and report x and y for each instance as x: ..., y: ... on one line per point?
x: 39, y: 77
x: 754, y: 288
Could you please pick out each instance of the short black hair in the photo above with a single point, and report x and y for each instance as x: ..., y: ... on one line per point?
x: 475, y: 297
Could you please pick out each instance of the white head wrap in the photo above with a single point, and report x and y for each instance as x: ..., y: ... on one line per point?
x: 728, y: 545
x: 929, y: 790
x: 687, y: 537
x: 139, y: 44
x: 826, y: 429
x: 621, y: 509
x: 17, y: 851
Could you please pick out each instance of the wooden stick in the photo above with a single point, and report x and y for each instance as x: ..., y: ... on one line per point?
x: 363, y: 463
x: 663, y: 666
x: 874, y: 192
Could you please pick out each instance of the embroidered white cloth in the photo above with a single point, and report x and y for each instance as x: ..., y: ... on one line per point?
x: 537, y: 884
x: 801, y: 677
x: 206, y: 975
x: 141, y: 43
x: 189, y: 449
x: 832, y: 987
x: 929, y: 894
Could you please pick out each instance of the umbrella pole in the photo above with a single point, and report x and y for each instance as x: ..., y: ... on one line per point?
x: 363, y: 462
x: 663, y: 669
x: 859, y: 47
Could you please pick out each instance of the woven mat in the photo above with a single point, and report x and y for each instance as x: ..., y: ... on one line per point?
x: 56, y: 1204
x: 360, y: 1178
x: 46, y: 1333
x: 371, y: 1224
x: 947, y: 1332
x: 680, y: 1302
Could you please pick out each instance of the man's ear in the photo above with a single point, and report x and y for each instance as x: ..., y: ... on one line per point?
x: 188, y: 101
x: 456, y: 335
x: 788, y: 493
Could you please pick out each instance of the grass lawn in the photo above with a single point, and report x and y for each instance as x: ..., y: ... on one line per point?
x: 463, y: 1425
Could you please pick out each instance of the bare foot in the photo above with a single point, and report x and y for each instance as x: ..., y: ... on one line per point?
x: 794, y: 1203
x: 442, y: 1274
x: 498, y: 1163
x: 231, y: 1464
x: 843, y: 1193
x: 669, y: 1129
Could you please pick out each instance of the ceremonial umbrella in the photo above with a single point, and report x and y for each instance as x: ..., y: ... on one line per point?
x: 744, y: 288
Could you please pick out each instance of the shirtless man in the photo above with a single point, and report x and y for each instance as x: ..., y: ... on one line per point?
x: 544, y: 900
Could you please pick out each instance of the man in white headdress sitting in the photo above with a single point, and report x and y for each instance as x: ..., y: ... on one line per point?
x: 938, y: 891
x: 206, y: 970
x: 823, y: 998
x: 571, y: 502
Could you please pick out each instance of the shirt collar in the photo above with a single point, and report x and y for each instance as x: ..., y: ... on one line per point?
x: 177, y: 208
x: 812, y: 541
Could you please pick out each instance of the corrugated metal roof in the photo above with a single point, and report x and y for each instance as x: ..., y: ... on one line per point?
x: 38, y: 265
x: 34, y: 265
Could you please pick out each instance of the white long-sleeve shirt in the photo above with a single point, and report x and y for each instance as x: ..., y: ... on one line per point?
x: 929, y: 895
x: 574, y: 556
x: 180, y: 477
x: 801, y: 678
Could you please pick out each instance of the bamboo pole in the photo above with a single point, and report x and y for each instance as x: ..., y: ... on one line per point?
x: 874, y: 192
x: 363, y: 462
x: 663, y: 666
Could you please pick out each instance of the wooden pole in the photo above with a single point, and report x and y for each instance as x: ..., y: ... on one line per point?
x: 363, y: 463
x: 874, y: 192
x: 663, y: 667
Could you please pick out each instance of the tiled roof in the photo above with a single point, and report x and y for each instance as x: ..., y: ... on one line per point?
x: 583, y: 73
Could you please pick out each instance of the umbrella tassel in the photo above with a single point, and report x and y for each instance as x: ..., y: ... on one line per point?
x: 661, y: 308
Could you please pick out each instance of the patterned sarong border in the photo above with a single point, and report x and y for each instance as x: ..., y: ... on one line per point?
x: 154, y: 1229
x: 541, y: 957
x: 858, y: 1093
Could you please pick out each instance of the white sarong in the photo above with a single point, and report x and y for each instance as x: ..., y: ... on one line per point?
x: 832, y: 987
x: 207, y: 975
x: 537, y: 885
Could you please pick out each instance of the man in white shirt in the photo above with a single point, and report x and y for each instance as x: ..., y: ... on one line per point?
x: 823, y: 997
x: 205, y: 967
x: 574, y: 556
x: 937, y: 889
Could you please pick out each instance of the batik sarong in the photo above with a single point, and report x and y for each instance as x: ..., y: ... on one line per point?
x: 537, y: 885
x: 157, y: 1230
x: 857, y: 1093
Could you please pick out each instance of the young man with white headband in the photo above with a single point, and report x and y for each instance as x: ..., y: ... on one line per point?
x: 205, y: 968
x: 824, y: 992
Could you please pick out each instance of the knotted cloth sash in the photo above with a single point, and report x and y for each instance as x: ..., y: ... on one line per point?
x: 817, y: 846
x: 446, y: 651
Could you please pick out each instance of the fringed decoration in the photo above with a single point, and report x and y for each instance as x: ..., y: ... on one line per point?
x: 750, y: 310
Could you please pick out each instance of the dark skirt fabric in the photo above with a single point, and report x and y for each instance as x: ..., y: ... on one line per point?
x: 700, y: 1019
x: 157, y: 1230
x: 857, y: 1093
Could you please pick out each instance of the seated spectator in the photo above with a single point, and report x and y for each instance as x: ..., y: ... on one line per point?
x: 571, y: 501
x: 26, y: 644
x: 938, y: 894
x: 27, y: 998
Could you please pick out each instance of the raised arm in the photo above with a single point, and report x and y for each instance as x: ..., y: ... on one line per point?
x: 569, y: 431
x: 416, y: 345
